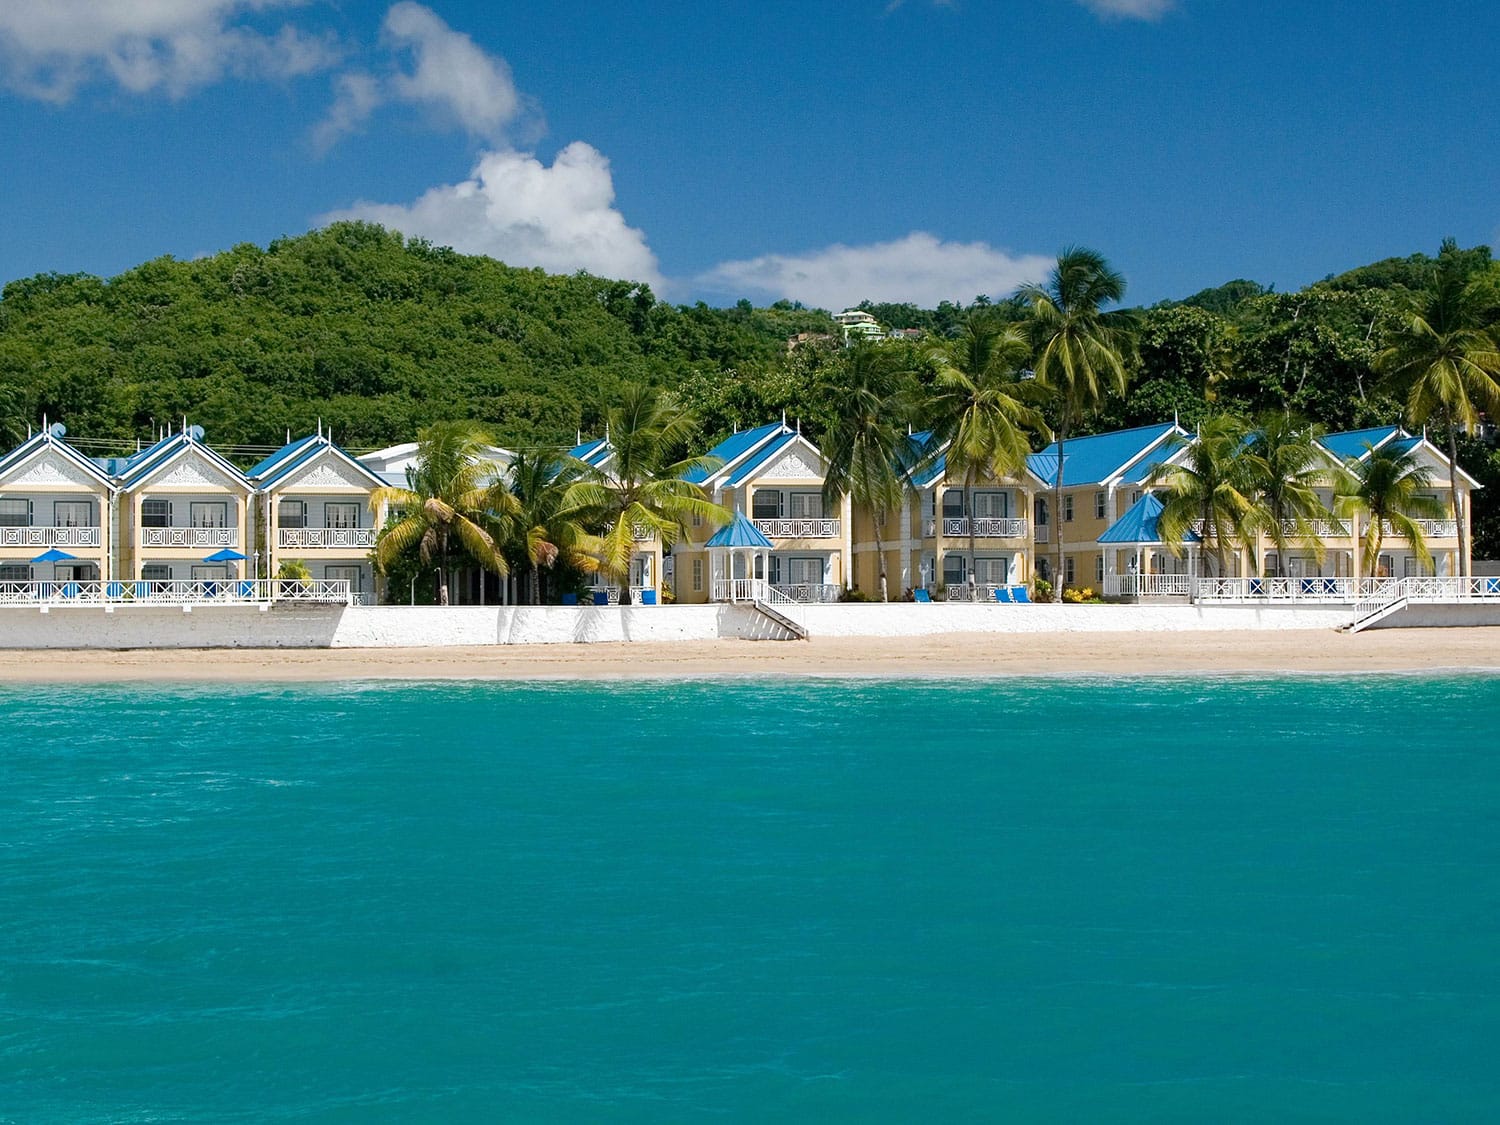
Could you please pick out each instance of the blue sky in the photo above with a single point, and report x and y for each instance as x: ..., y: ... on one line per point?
x: 817, y: 151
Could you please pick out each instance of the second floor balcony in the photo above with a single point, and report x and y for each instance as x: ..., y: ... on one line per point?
x: 49, y: 537
x: 190, y: 537
x: 325, y: 538
x: 803, y: 527
x: 984, y: 527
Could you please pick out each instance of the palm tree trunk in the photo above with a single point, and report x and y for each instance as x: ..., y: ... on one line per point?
x: 1057, y: 520
x: 880, y: 556
x: 1458, y: 507
x: 443, y: 572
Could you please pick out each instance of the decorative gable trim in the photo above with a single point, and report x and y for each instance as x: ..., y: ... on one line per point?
x: 800, y: 461
x: 49, y: 468
x: 330, y: 469
x: 189, y: 467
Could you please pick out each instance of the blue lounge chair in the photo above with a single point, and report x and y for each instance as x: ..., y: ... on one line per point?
x: 245, y: 589
x: 141, y: 590
x: 70, y: 589
x: 921, y: 596
x: 114, y: 591
x: 1002, y: 595
x: 601, y: 597
x: 648, y: 597
x: 570, y: 599
x: 1492, y: 585
x: 1021, y: 596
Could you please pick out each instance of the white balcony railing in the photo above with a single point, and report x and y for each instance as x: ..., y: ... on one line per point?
x: 1430, y: 529
x: 805, y: 528
x: 810, y: 593
x: 326, y: 538
x: 206, y: 591
x: 193, y: 537
x: 977, y: 592
x: 1146, y: 585
x: 49, y: 537
x: 1323, y: 529
x: 612, y: 594
x: 985, y: 527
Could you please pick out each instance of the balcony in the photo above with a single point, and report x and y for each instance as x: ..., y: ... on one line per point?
x: 806, y: 528
x: 1147, y: 585
x: 326, y: 538
x: 1430, y: 529
x: 190, y: 537
x: 49, y: 537
x: 1321, y: 529
x: 985, y: 527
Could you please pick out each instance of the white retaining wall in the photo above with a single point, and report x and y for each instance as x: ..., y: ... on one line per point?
x: 907, y: 619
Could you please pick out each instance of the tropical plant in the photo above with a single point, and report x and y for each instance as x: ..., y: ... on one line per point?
x: 639, y: 490
x: 294, y: 570
x: 980, y: 410
x: 454, y: 497
x: 1209, y: 489
x: 1445, y: 360
x: 1285, y: 466
x: 868, y: 451
x: 544, y: 534
x: 1387, y: 485
x: 1081, y: 350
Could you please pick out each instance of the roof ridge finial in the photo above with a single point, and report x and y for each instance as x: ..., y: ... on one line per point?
x: 799, y: 427
x: 783, y: 417
x: 320, y: 425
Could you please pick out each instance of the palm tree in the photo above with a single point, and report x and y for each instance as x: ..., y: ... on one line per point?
x: 979, y: 411
x: 543, y: 534
x: 1387, y: 485
x: 639, y: 488
x: 868, y: 450
x: 1210, y: 488
x: 1286, y: 464
x: 453, y: 496
x: 1081, y: 351
x: 1445, y: 359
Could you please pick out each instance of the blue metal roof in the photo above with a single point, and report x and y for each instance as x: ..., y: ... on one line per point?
x: 739, y: 532
x: 760, y: 458
x: 261, y: 468
x: 732, y: 448
x: 1095, y: 459
x: 1351, y: 443
x: 591, y: 452
x: 1139, y: 525
x: 143, y: 464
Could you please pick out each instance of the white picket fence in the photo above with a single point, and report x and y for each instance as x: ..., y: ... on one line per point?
x: 204, y: 591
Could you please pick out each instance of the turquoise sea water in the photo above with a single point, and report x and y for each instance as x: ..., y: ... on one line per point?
x: 1035, y: 901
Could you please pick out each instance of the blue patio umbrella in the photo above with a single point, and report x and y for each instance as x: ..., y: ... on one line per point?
x: 225, y: 555
x: 52, y: 554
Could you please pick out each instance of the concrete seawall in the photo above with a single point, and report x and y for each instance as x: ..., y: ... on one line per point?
x: 288, y: 626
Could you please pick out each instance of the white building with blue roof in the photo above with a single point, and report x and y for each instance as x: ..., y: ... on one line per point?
x: 773, y: 475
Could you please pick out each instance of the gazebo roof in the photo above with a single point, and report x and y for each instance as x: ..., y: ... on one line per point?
x: 740, y: 532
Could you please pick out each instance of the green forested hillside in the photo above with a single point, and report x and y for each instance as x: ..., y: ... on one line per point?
x: 379, y: 336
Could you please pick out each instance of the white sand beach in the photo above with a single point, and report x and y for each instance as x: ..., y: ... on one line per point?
x: 953, y: 655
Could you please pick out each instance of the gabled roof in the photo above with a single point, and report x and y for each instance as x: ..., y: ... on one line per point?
x: 593, y: 452
x: 1099, y: 458
x: 282, y: 465
x: 766, y: 456
x: 739, y: 532
x: 733, y: 450
x: 51, y: 437
x: 147, y: 463
x: 1138, y: 526
x: 1352, y: 443
x: 930, y: 471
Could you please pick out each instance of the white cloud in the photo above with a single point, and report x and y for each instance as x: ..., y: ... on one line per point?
x: 49, y: 48
x: 1130, y: 9
x: 513, y: 207
x: 431, y: 66
x: 918, y: 268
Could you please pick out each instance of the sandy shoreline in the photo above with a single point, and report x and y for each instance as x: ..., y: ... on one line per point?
x: 956, y: 655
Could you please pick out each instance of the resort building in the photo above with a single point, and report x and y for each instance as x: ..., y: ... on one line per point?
x: 391, y: 463
x: 1103, y: 477
x: 313, y: 506
x: 773, y: 476
x: 858, y: 325
x: 56, y: 512
x: 184, y: 512
x: 961, y: 542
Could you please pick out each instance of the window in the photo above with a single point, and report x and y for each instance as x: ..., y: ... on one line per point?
x: 1099, y: 569
x: 805, y: 571
x: 156, y: 513
x: 697, y: 576
x: 1099, y: 505
x: 1040, y: 511
x: 697, y: 519
x: 953, y: 504
x: 807, y: 506
x: 766, y: 505
x: 954, y: 570
x: 1135, y: 497
x: 15, y: 513
x: 991, y: 505
x: 15, y: 572
x: 73, y: 513
x: 341, y: 515
x: 1068, y: 508
x: 291, y: 513
x: 1069, y: 569
x: 350, y: 574
x: 156, y: 572
x: 996, y: 572
x: 209, y: 573
x: 208, y: 513
x: 1384, y: 567
x: 1044, y: 569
